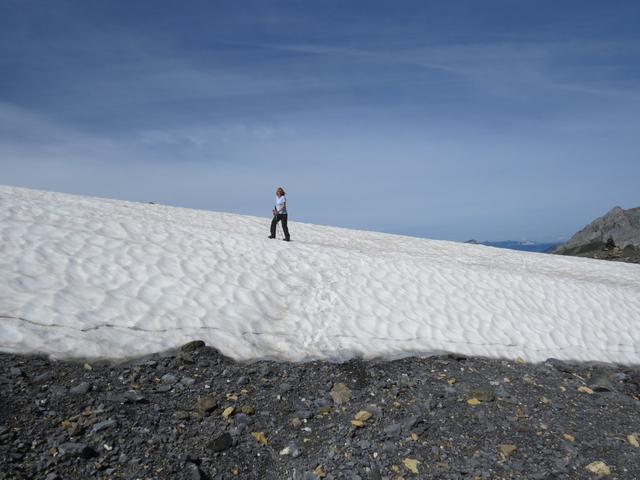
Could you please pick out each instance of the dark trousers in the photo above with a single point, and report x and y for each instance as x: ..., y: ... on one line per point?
x: 277, y: 218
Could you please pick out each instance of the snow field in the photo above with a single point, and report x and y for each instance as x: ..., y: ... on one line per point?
x: 87, y: 277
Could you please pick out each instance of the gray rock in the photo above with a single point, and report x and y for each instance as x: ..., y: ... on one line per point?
x: 80, y: 389
x: 221, y: 442
x: 187, y: 381
x: 364, y: 444
x: 43, y: 377
x: 79, y: 450
x: 242, y: 419
x: 98, y: 427
x: 374, y: 473
x: 193, y: 472
x: 133, y: 396
x: 169, y: 379
x: 601, y: 381
x: 303, y: 414
x: 484, y: 394
x: 206, y: 404
x: 193, y: 345
x: 340, y: 393
x: 393, y: 429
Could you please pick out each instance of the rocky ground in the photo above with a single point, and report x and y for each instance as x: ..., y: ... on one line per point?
x: 601, y: 251
x: 194, y: 414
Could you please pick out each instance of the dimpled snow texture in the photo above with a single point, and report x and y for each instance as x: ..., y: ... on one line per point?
x: 87, y: 277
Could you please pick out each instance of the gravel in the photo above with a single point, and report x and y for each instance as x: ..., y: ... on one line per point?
x: 195, y: 414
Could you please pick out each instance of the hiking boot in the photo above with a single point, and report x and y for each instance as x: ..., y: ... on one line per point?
x: 271, y: 236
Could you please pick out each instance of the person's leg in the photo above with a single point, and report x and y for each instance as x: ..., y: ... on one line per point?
x: 285, y: 229
x: 274, y: 222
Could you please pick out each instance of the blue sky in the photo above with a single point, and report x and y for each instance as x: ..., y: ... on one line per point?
x: 490, y: 120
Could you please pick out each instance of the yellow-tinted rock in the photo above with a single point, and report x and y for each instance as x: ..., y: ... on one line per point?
x: 320, y: 472
x: 599, y: 468
x: 363, y: 415
x: 411, y: 464
x: 260, y: 437
x: 507, y: 449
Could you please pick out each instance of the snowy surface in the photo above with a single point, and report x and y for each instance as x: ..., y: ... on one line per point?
x: 86, y: 277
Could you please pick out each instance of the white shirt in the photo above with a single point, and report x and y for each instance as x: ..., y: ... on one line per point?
x: 281, y: 205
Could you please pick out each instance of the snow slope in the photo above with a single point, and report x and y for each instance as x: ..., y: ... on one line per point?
x: 87, y: 277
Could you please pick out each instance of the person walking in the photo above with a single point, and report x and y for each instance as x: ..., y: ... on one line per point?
x: 280, y: 215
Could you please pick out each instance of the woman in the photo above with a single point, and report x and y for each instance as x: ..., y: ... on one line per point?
x: 280, y: 214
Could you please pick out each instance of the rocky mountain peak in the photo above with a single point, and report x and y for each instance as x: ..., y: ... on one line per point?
x: 622, y: 226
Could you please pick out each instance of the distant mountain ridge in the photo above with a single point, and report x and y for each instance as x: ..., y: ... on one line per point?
x: 522, y: 246
x: 614, y: 236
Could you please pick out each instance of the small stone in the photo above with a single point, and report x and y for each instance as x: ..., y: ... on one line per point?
x: 193, y: 345
x: 98, y: 427
x: 320, y: 472
x: 260, y: 437
x: 80, y: 389
x: 187, y: 381
x: 340, y: 393
x: 411, y: 464
x: 285, y: 451
x: 194, y: 471
x: 363, y: 415
x: 228, y: 412
x: 247, y: 410
x: 206, y: 404
x: 79, y: 450
x: 169, y: 379
x: 520, y: 361
x: 87, y: 367
x: 221, y: 442
x: 304, y: 414
x: 393, y: 429
x: 586, y: 390
x: 296, y: 423
x: 568, y: 437
x: 599, y: 468
x: 507, y: 449
x: 357, y: 423
x: 484, y: 395
x: 601, y: 381
x: 242, y: 419
x: 633, y: 440
x: 43, y: 377
x: 133, y: 396
x: 474, y: 401
x: 164, y: 388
